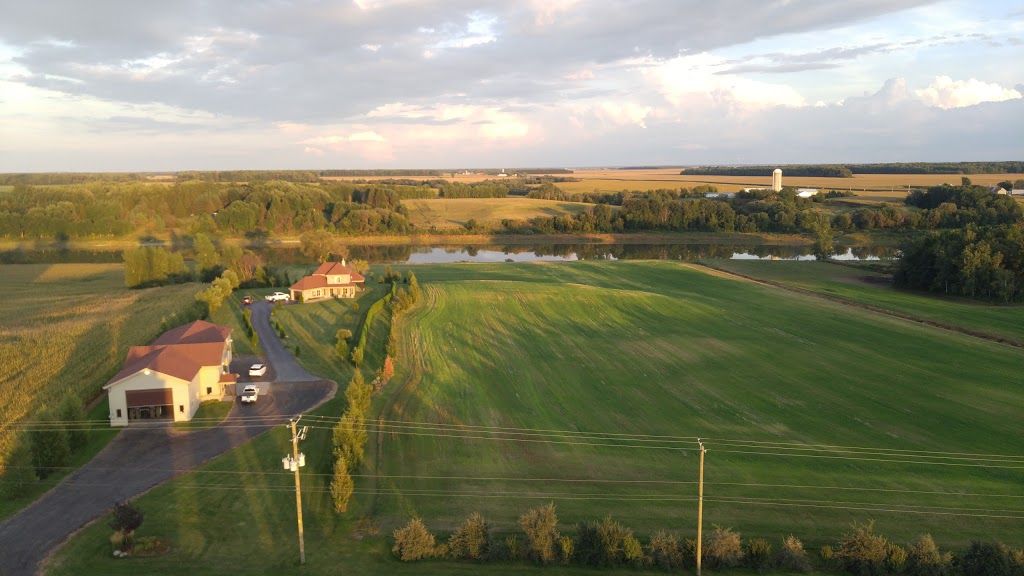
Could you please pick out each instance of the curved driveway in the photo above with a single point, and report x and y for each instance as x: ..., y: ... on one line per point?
x: 142, y: 457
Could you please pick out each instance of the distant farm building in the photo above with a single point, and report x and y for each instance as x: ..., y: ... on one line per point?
x: 777, y: 180
x: 168, y: 379
x: 330, y: 280
x: 1017, y: 192
x: 806, y: 192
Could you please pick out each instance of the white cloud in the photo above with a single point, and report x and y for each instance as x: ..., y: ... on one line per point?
x: 947, y: 93
x: 371, y: 47
x: 623, y: 114
x: 313, y: 150
x: 686, y: 79
x: 581, y: 75
x: 546, y: 12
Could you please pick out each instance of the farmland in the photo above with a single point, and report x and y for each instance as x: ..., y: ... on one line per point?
x: 66, y: 329
x: 865, y: 287
x: 455, y: 212
x: 581, y: 352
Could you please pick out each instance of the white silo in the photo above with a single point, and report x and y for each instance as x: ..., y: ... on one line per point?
x: 777, y: 180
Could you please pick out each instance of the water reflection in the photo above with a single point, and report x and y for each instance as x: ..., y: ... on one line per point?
x: 400, y: 254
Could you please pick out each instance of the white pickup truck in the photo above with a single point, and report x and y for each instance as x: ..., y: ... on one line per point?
x: 250, y: 393
x: 277, y: 296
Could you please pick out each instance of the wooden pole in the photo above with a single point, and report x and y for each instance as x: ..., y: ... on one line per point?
x: 700, y: 507
x: 298, y: 493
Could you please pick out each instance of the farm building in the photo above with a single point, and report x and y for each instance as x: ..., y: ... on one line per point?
x: 330, y: 280
x: 806, y: 192
x: 168, y: 379
x: 1017, y: 192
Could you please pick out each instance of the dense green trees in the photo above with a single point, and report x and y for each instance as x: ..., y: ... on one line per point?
x: 848, y: 170
x: 826, y: 171
x: 151, y: 265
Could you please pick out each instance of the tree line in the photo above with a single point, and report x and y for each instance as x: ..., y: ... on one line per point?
x: 609, y: 543
x: 848, y: 170
x: 820, y: 170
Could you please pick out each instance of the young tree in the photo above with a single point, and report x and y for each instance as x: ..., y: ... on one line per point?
x: 51, y: 449
x: 925, y: 559
x: 357, y: 394
x: 206, y: 252
x: 665, y: 551
x: 724, y: 549
x: 392, y: 348
x: 316, y: 244
x: 413, y: 542
x: 349, y: 437
x: 862, y: 551
x: 414, y: 288
x: 341, y: 486
x: 72, y: 413
x: 388, y: 371
x: 357, y: 356
x: 792, y: 556
x: 540, y: 525
x: 125, y: 519
x: 19, y: 473
x: 471, y: 540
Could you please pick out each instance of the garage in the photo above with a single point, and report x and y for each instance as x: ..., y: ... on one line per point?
x: 151, y: 404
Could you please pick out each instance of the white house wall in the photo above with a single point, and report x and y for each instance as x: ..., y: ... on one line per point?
x: 184, y: 405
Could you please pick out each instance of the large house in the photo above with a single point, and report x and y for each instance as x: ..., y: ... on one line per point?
x: 169, y: 378
x: 330, y: 280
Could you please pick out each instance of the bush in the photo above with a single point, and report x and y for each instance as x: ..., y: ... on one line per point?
x: 925, y: 559
x: 413, y: 542
x: 514, y: 548
x: 49, y: 443
x: 895, y: 558
x: 862, y: 551
x: 72, y: 413
x: 19, y: 472
x: 793, y: 557
x: 665, y: 551
x: 724, y: 549
x: 587, y: 549
x: 827, y: 555
x: 689, y: 553
x: 125, y: 519
x: 540, y: 524
x: 988, y: 559
x: 758, y: 554
x: 341, y: 486
x: 567, y: 546
x: 471, y: 540
x: 613, y: 541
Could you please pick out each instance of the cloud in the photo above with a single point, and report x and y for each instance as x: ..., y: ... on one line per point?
x: 689, y: 80
x: 944, y: 92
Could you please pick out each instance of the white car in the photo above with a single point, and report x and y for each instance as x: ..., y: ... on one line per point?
x: 277, y: 296
x: 250, y: 393
x: 257, y: 370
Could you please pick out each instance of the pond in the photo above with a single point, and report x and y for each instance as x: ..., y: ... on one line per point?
x: 415, y: 254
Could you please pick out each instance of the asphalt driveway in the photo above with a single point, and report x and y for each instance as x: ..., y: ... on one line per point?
x: 141, y: 457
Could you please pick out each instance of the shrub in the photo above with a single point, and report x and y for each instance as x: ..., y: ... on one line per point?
x: 118, y: 541
x: 540, y: 525
x: 357, y: 356
x: 413, y: 542
x: 587, y: 549
x: 986, y: 558
x: 758, y: 554
x: 689, y: 553
x: 665, y: 551
x: 567, y: 546
x: 72, y: 412
x: 126, y: 519
x: 827, y: 554
x: 349, y: 436
x: 514, y: 548
x: 633, y: 551
x: 895, y: 558
x: 471, y: 540
x: 255, y: 341
x: 793, y: 557
x: 613, y: 541
x: 724, y: 549
x: 49, y: 444
x: 925, y: 559
x: 862, y: 551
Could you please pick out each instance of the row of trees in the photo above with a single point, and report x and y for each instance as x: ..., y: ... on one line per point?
x: 609, y: 543
x: 820, y: 170
x: 53, y: 436
x: 848, y: 170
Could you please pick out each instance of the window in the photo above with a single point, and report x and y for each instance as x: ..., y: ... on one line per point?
x: 118, y: 412
x: 181, y: 408
x: 209, y: 390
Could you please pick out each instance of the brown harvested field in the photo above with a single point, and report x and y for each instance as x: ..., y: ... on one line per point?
x: 455, y: 212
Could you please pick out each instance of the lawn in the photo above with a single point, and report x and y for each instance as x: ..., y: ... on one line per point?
x: 617, y: 348
x: 66, y: 330
x: 869, y: 288
x: 455, y: 212
x: 209, y: 414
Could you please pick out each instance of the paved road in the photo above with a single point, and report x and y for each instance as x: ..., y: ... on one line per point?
x: 140, y: 458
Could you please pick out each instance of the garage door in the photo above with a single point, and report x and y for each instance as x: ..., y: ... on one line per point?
x: 151, y: 397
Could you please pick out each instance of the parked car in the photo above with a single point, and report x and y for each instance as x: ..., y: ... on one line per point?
x: 257, y: 370
x: 250, y: 393
x: 247, y: 300
x: 276, y: 296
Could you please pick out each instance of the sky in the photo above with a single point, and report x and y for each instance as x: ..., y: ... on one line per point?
x: 123, y: 85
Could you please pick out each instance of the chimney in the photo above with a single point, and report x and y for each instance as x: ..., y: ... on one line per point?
x: 342, y: 262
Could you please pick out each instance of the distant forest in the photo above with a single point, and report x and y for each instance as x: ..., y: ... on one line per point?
x: 848, y: 170
x: 235, y: 176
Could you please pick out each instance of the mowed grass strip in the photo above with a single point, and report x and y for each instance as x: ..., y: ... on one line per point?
x: 865, y: 287
x: 455, y: 212
x: 658, y: 348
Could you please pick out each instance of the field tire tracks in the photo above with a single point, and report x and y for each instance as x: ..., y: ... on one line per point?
x: 715, y: 271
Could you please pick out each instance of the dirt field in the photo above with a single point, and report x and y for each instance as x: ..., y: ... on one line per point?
x: 455, y: 212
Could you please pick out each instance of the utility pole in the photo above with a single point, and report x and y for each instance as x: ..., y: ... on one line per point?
x: 700, y: 505
x: 293, y: 462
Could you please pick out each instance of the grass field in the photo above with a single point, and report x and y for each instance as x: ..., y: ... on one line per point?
x: 869, y: 288
x: 657, y: 348
x: 66, y: 329
x: 455, y: 212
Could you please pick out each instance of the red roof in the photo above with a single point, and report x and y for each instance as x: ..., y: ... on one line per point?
x: 318, y: 279
x: 180, y: 352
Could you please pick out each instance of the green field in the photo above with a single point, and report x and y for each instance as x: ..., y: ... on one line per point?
x: 865, y: 287
x: 640, y: 348
x: 455, y: 212
x: 66, y: 329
